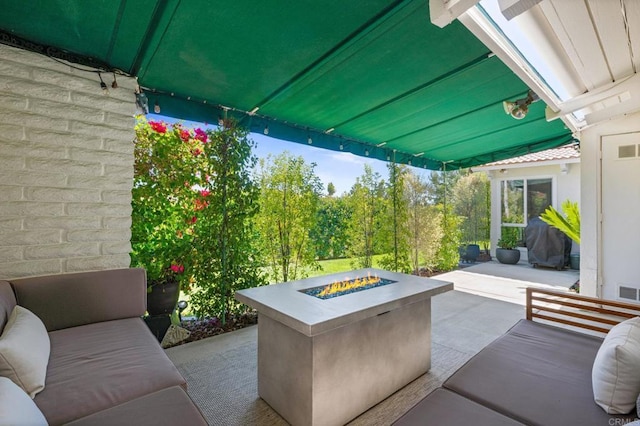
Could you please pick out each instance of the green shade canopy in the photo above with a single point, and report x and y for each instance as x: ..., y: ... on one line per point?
x: 373, y: 78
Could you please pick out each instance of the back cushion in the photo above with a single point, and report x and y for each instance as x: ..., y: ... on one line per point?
x: 7, y: 302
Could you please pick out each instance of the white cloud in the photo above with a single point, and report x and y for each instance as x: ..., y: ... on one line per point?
x: 347, y: 157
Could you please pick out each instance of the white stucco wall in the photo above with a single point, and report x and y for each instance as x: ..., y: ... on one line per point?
x: 66, y: 167
x: 565, y: 186
x: 591, y: 282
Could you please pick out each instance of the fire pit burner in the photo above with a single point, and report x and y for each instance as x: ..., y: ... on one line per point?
x: 346, y: 286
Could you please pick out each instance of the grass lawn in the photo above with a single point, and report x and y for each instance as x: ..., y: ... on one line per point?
x: 339, y: 265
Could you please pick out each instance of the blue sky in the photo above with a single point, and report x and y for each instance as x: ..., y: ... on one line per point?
x: 341, y: 168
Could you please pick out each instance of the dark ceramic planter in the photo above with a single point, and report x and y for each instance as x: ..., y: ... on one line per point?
x: 508, y: 256
x: 469, y: 253
x: 163, y: 298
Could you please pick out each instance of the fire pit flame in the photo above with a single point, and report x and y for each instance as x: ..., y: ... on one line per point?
x: 346, y: 286
x: 349, y: 284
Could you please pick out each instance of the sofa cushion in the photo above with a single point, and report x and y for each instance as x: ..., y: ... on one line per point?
x: 7, y: 302
x: 84, y: 297
x: 24, y: 351
x: 537, y: 374
x: 170, y: 406
x: 16, y: 407
x: 616, y: 369
x: 443, y: 407
x: 98, y: 366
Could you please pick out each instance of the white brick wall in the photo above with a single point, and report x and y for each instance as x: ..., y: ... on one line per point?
x: 66, y: 167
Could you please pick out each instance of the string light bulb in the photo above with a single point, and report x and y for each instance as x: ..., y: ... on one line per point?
x: 156, y: 108
x: 309, y: 140
x: 366, y: 152
x: 341, y: 147
x: 266, y: 130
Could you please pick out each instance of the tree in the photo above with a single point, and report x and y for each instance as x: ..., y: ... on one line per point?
x: 329, y: 235
x: 448, y: 255
x: 224, y: 238
x: 396, y: 227
x: 331, y: 189
x: 441, y: 186
x: 289, y: 194
x: 366, y: 201
x: 470, y: 195
x: 423, y: 223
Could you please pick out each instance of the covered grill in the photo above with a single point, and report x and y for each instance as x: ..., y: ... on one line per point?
x: 546, y: 245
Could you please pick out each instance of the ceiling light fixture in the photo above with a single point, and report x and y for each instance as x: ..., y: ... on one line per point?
x: 518, y: 109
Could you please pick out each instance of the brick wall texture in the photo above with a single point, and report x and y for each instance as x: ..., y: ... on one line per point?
x: 66, y: 167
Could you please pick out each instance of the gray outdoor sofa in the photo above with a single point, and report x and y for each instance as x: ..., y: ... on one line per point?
x: 105, y: 367
x: 535, y: 374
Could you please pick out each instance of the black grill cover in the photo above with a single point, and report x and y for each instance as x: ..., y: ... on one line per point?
x: 546, y: 245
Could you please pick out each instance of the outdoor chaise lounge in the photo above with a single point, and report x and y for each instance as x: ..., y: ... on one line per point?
x: 96, y: 363
x: 542, y: 374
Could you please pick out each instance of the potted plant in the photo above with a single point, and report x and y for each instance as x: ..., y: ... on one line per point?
x: 569, y: 224
x: 507, y: 251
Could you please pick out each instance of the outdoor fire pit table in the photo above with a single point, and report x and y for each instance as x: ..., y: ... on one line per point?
x: 324, y: 361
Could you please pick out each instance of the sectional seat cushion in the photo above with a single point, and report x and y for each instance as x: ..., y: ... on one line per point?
x: 24, y: 351
x: 536, y: 374
x: 16, y: 407
x: 616, y: 369
x: 443, y: 407
x: 99, y: 366
x: 170, y: 406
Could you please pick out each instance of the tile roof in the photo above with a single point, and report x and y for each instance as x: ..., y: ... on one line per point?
x: 566, y: 152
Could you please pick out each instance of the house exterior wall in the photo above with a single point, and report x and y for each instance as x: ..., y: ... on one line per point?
x: 591, y: 281
x: 66, y: 167
x: 565, y: 186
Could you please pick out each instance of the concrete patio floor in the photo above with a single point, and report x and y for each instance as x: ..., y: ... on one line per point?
x: 487, y: 300
x: 508, y: 282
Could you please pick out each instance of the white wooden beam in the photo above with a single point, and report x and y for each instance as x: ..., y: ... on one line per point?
x: 443, y: 12
x: 620, y: 97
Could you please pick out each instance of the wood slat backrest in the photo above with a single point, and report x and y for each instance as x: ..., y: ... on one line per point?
x: 574, y: 310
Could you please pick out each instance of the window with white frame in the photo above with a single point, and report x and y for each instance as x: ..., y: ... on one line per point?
x: 524, y: 199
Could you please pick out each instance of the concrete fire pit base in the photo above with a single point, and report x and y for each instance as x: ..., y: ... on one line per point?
x: 345, y: 354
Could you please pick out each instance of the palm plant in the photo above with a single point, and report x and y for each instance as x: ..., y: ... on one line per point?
x: 569, y: 223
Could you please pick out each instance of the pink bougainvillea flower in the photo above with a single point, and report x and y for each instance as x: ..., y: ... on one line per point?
x: 178, y: 269
x: 205, y: 192
x: 158, y: 126
x: 200, y: 205
x: 201, y: 135
x: 197, y: 152
x: 184, y: 135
